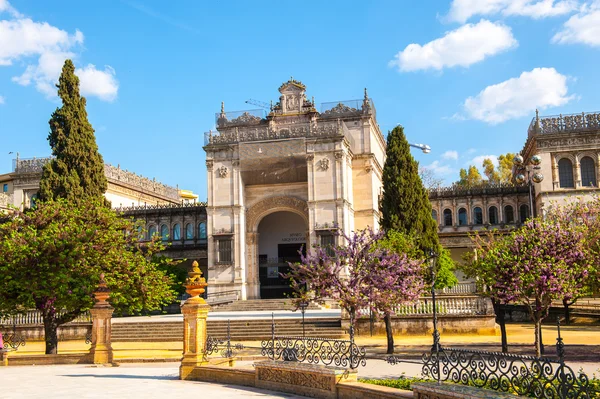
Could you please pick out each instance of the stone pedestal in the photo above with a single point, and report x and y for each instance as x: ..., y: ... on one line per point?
x: 101, y: 351
x: 4, y: 357
x: 195, y: 312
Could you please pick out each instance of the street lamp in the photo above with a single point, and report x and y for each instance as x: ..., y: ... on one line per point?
x: 532, y: 169
x: 423, y: 147
x: 432, y: 259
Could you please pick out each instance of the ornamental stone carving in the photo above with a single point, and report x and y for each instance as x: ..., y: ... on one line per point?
x: 324, y: 164
x: 223, y: 171
x: 209, y: 165
x: 339, y: 155
x: 310, y: 157
x: 339, y: 110
x: 274, y: 204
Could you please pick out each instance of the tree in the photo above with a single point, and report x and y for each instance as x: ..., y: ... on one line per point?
x: 469, y: 178
x: 52, y: 257
x: 543, y: 261
x: 77, y: 170
x: 405, y: 206
x: 402, y: 244
x: 429, y: 179
x: 358, y: 275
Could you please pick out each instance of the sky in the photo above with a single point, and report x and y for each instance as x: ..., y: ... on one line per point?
x: 462, y: 76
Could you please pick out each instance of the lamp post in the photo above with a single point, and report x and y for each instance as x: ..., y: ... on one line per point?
x: 528, y: 172
x: 423, y: 147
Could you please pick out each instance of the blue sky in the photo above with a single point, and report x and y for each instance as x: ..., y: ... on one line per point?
x: 463, y: 76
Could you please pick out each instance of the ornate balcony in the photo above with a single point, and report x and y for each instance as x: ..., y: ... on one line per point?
x: 564, y: 123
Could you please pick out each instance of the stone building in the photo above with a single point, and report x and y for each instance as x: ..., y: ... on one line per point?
x: 20, y: 187
x: 284, y: 180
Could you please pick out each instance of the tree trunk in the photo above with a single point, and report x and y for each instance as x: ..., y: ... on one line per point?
x: 51, y: 334
x: 390, y: 333
x: 500, y: 311
x: 538, y: 337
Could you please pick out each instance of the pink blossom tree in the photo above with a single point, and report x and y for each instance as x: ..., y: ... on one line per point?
x: 358, y: 275
x: 543, y: 261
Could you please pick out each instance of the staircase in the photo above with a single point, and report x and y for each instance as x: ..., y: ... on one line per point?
x: 259, y: 305
x: 241, y: 330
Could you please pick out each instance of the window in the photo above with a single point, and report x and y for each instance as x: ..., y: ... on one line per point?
x: 189, y: 231
x: 509, y: 214
x: 462, y: 217
x: 151, y: 232
x: 434, y: 215
x: 588, y: 172
x: 202, y: 231
x: 477, y: 216
x: 447, y: 217
x: 524, y: 212
x: 493, y: 215
x: 177, y: 232
x: 327, y: 241
x: 164, y: 232
x: 565, y: 173
x: 33, y: 200
x: 224, y: 250
x: 5, y: 188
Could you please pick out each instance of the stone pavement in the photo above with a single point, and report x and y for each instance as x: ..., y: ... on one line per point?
x: 128, y: 381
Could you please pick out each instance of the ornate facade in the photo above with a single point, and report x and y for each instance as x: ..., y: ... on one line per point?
x: 282, y: 181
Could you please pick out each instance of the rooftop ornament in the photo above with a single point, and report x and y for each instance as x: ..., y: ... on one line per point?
x: 102, y: 293
x: 195, y: 284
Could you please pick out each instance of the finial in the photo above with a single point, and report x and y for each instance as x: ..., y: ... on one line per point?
x: 271, y: 105
x: 291, y: 78
x: 313, y: 101
x: 537, y: 114
x: 102, y: 292
x: 366, y: 96
x: 222, y: 107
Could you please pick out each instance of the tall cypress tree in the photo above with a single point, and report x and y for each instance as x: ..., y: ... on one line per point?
x: 77, y: 170
x: 405, y: 206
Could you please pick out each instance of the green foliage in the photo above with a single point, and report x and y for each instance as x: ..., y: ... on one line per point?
x: 497, y: 175
x: 470, y: 177
x: 404, y: 383
x: 77, y: 170
x: 405, y: 206
x: 54, y: 254
x: 400, y: 243
x: 172, y: 269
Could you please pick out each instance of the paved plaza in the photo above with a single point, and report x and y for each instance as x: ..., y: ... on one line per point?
x: 127, y: 381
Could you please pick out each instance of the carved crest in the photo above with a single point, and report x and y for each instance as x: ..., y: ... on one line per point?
x: 324, y: 164
x: 223, y: 171
x: 245, y: 118
x: 340, y: 109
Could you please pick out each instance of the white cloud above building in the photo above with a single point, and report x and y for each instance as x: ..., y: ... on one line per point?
x: 539, y: 88
x: 450, y: 155
x: 43, y: 48
x: 462, y: 10
x: 581, y: 28
x: 462, y: 47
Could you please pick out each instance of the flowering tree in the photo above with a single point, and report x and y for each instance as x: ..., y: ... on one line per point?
x: 358, y: 275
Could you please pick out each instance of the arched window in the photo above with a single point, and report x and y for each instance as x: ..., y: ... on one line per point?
x: 509, y: 214
x: 189, y: 231
x: 202, y: 231
x: 434, y: 215
x: 524, y: 212
x: 477, y: 215
x: 588, y: 172
x: 565, y: 173
x: 164, y: 232
x: 151, y: 232
x: 462, y: 217
x: 177, y: 232
x: 447, y: 217
x: 493, y: 215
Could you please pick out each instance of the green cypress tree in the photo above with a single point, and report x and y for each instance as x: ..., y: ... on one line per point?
x: 405, y: 206
x: 77, y: 171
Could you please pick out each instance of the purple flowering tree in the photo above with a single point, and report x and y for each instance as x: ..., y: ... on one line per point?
x: 543, y: 261
x: 358, y: 275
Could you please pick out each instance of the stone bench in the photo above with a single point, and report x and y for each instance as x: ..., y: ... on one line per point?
x: 433, y: 390
x: 310, y: 380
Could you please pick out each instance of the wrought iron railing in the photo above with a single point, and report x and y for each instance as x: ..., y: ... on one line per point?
x: 12, y: 339
x: 222, y: 346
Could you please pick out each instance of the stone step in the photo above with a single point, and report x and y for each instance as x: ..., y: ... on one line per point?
x: 259, y: 304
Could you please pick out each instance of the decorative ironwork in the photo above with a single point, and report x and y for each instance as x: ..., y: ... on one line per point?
x: 484, y: 188
x: 564, y: 123
x: 223, y: 346
x: 13, y: 339
x: 88, y: 337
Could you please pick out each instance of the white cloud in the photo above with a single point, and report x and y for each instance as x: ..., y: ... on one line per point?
x: 94, y: 82
x: 23, y: 39
x: 439, y: 169
x: 2, y: 100
x: 540, y: 88
x: 450, y: 154
x: 582, y: 28
x: 478, y: 160
x: 464, y: 46
x: 462, y: 10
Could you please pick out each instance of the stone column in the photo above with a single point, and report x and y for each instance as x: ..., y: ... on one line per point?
x: 101, y: 351
x: 195, y: 312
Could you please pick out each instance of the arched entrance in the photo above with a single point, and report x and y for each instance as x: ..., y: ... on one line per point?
x: 280, y: 236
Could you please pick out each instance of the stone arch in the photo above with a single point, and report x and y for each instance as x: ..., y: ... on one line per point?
x: 274, y: 204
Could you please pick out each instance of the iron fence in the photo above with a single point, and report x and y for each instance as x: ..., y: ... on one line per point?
x: 12, y: 339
